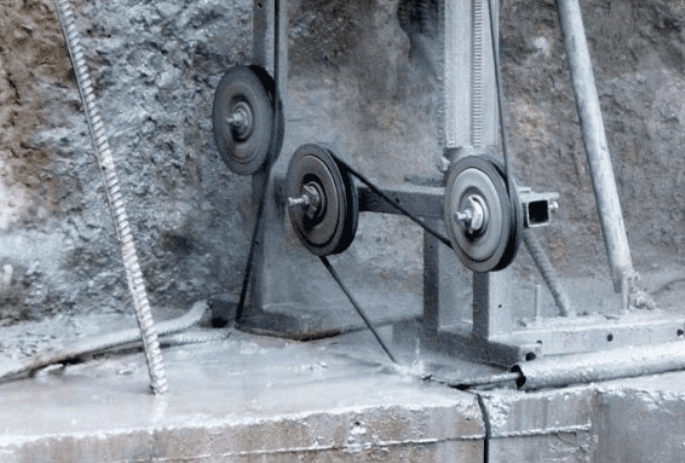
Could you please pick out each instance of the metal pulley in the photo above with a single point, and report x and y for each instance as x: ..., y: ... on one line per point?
x: 484, y: 221
x: 322, y: 201
x: 243, y: 119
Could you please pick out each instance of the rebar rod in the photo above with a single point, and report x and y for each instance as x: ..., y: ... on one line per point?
x: 549, y: 274
x: 134, y: 276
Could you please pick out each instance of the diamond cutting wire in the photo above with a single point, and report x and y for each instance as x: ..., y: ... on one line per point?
x: 508, y: 164
x: 356, y: 306
x: 478, y: 381
x: 256, y: 233
x: 134, y: 276
x: 247, y: 277
x: 535, y: 250
x: 394, y: 204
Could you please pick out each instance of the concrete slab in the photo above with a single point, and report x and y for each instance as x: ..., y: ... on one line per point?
x: 249, y: 398
x: 629, y: 421
x: 641, y: 419
x: 552, y: 425
x: 254, y: 398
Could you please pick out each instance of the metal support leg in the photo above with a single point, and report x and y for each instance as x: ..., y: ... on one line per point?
x: 431, y: 282
x: 491, y: 307
x: 592, y: 125
x: 264, y: 30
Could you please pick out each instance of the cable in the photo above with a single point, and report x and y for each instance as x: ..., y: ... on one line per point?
x: 389, y: 200
x: 536, y: 251
x: 478, y: 381
x: 488, y: 427
x: 356, y: 306
x: 247, y: 277
x: 256, y: 233
x: 508, y: 164
x: 100, y: 343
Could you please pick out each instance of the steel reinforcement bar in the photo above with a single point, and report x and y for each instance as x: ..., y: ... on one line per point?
x: 134, y: 276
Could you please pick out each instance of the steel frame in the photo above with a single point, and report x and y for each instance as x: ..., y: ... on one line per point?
x: 491, y: 337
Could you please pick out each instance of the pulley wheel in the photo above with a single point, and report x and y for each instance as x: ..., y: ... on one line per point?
x: 483, y: 222
x: 323, y: 205
x: 243, y: 119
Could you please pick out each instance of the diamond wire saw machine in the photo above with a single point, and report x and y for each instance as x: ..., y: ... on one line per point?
x: 477, y: 212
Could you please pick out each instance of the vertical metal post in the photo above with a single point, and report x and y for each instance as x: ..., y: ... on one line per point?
x: 264, y: 29
x: 491, y: 306
x: 431, y: 281
x: 469, y: 113
x: 470, y: 123
x: 457, y: 73
x: 263, y: 34
x: 594, y: 137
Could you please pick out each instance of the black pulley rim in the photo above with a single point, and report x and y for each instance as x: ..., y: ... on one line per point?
x: 242, y: 119
x: 277, y: 136
x: 352, y: 219
x: 517, y: 226
x: 476, y: 183
x: 323, y: 229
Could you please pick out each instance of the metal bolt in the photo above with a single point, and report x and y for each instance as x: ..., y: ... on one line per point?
x: 237, y: 119
x: 464, y: 216
x: 443, y: 164
x: 310, y: 201
x: 473, y: 216
x: 301, y: 201
x: 240, y: 119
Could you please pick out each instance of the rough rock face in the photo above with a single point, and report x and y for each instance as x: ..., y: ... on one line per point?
x: 155, y: 65
x: 637, y: 50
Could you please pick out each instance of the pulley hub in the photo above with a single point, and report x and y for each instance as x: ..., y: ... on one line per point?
x: 473, y: 217
x: 312, y: 201
x: 483, y: 219
x: 240, y: 121
x: 322, y: 201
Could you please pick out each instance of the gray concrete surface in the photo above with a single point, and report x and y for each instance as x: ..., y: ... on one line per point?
x: 246, y: 399
x: 358, y: 81
x: 253, y: 398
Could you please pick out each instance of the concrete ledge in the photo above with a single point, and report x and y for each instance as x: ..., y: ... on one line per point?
x: 261, y: 399
x: 246, y: 399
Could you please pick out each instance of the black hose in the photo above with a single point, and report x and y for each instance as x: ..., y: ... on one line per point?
x: 100, y: 343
